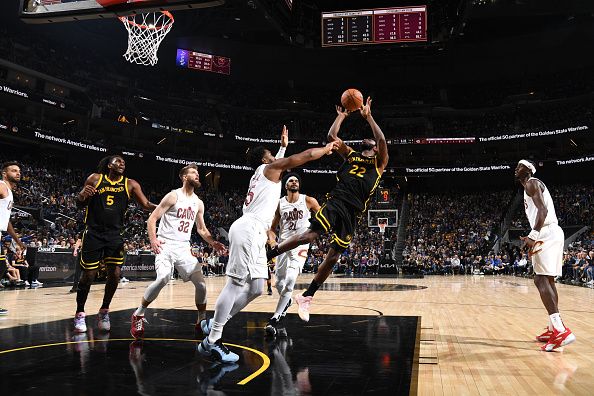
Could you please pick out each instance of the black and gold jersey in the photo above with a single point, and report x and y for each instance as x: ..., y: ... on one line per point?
x: 108, y: 206
x: 357, y: 179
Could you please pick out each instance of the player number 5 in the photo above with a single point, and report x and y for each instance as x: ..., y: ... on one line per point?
x: 358, y: 171
x: 109, y: 200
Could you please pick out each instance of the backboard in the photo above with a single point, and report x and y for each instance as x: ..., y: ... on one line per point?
x: 49, y: 11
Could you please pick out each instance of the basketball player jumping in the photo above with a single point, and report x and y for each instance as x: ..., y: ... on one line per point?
x: 11, y: 175
x: 178, y: 211
x: 545, y: 244
x: 106, y: 195
x: 292, y: 217
x: 247, y: 267
x: 358, y: 178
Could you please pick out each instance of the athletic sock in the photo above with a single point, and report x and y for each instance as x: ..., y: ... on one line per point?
x: 140, y: 311
x: 216, y: 331
x: 557, y: 322
x: 550, y: 324
x: 312, y: 289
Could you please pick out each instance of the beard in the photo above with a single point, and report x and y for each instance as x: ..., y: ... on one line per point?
x: 195, y: 183
x: 293, y: 189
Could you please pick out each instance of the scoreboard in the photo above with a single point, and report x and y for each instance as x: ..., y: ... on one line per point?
x: 375, y: 26
x: 204, y: 62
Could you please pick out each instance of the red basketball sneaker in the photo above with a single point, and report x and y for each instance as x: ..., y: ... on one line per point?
x: 558, y: 340
x: 544, y: 337
x: 137, y: 326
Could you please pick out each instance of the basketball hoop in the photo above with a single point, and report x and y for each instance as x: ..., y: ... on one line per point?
x: 145, y: 33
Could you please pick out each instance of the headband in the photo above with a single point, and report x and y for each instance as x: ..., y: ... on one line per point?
x: 528, y: 165
x: 290, y: 179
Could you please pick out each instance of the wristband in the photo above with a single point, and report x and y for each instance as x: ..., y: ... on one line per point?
x: 281, y: 152
x: 534, y: 235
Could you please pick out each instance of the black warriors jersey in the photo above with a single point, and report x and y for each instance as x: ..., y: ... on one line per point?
x: 357, y: 178
x: 108, y: 206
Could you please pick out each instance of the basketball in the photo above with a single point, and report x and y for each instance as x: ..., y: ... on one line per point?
x: 352, y: 99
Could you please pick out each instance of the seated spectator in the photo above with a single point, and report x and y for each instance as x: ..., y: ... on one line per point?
x: 28, y: 273
x: 13, y: 274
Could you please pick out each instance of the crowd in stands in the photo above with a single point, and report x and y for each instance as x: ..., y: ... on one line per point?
x: 452, y: 225
x: 455, y: 233
x: 47, y: 216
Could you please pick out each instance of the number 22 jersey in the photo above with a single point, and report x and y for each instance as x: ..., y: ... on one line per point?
x: 357, y: 179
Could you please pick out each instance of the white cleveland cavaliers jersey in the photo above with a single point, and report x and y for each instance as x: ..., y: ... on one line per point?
x: 532, y: 211
x: 177, y: 222
x: 294, y: 217
x: 262, y: 197
x: 5, y: 208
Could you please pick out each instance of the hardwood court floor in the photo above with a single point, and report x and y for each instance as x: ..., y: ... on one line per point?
x: 476, y: 339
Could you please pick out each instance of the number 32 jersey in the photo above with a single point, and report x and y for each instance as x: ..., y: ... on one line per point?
x: 357, y: 179
x: 176, y: 224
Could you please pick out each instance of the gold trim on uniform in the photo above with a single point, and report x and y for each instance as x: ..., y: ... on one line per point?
x: 126, y: 185
x: 114, y: 182
x: 320, y: 216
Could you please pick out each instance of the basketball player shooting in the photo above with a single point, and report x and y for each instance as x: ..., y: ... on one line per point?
x: 358, y: 177
x: 178, y: 211
x: 105, y: 195
x: 247, y: 266
x: 292, y: 218
x: 545, y: 244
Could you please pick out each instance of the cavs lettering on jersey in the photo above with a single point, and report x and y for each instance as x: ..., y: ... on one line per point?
x: 177, y: 222
x: 294, y: 217
x: 108, y: 206
x: 358, y: 176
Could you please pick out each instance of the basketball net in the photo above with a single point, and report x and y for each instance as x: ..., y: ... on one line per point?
x: 382, y: 228
x: 145, y: 33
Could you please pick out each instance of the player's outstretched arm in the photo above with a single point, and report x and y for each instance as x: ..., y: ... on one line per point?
x: 138, y: 195
x: 274, y: 170
x: 284, y: 143
x: 151, y: 225
x: 380, y: 139
x: 272, y: 231
x: 203, y: 231
x: 312, y: 204
x: 343, y: 149
x: 82, y: 199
